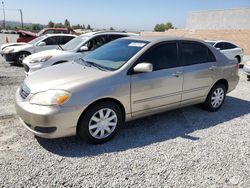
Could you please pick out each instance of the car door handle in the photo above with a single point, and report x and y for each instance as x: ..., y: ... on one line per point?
x: 177, y: 74
x: 212, y: 68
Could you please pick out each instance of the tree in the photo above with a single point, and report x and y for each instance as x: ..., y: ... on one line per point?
x: 59, y: 25
x: 51, y: 24
x: 88, y: 27
x: 159, y: 27
x: 83, y: 26
x: 111, y: 29
x: 163, y: 27
x: 168, y: 26
x: 67, y: 24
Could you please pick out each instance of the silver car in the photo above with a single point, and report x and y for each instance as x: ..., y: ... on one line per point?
x: 123, y: 80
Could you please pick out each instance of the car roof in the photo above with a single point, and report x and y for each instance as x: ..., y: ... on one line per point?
x: 59, y: 34
x: 156, y: 39
x: 216, y: 41
x: 107, y: 33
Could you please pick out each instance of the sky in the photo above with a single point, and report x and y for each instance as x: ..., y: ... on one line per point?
x: 136, y: 15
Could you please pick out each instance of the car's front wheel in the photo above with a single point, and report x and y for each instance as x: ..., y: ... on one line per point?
x: 20, y: 57
x: 100, y: 122
x: 215, y: 98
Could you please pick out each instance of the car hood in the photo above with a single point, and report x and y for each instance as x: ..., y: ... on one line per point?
x: 27, y: 33
x: 12, y: 44
x: 63, y: 76
x: 53, y: 53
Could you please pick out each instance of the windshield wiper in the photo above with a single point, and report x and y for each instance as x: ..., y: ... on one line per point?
x: 60, y: 47
x: 89, y: 64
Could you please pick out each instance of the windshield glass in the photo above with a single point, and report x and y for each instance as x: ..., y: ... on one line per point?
x: 115, y: 54
x: 74, y: 43
x: 36, y: 40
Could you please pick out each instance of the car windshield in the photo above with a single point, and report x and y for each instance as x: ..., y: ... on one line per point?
x: 115, y: 54
x: 74, y: 43
x: 36, y: 40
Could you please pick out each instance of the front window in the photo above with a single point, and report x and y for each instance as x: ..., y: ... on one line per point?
x: 74, y: 43
x: 36, y: 40
x: 115, y: 54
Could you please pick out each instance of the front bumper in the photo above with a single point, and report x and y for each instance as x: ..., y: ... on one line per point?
x: 30, y: 68
x: 47, y: 121
x: 10, y: 57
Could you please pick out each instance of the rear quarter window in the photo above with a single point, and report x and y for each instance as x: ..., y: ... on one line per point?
x: 229, y: 46
x: 196, y: 53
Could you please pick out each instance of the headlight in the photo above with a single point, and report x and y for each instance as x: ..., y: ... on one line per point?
x: 50, y: 97
x: 41, y: 59
x: 8, y: 50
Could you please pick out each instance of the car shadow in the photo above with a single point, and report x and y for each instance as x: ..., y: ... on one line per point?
x: 152, y: 129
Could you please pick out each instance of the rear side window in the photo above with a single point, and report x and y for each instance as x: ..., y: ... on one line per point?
x: 229, y: 46
x: 58, y: 40
x: 52, y: 40
x: 66, y: 39
x: 163, y: 56
x: 220, y: 45
x: 196, y: 53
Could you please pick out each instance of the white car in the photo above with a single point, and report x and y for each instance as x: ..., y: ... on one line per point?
x: 229, y: 49
x: 18, y: 51
x: 246, y: 69
x: 73, y: 50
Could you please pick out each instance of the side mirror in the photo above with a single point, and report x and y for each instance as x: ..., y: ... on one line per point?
x: 41, y: 44
x: 143, y: 67
x: 84, y: 49
x: 218, y: 48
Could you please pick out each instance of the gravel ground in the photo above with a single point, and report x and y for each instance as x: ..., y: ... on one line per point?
x: 188, y: 147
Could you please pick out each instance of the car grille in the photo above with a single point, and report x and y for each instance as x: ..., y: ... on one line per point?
x: 26, y: 68
x: 24, y: 91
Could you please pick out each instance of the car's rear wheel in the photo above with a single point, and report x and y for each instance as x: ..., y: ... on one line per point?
x: 238, y: 59
x: 215, y: 98
x: 100, y: 122
x: 20, y: 57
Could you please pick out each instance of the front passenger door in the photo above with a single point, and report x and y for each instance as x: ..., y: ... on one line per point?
x: 161, y: 88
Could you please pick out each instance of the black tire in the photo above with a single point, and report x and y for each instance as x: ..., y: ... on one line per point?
x: 238, y: 59
x: 248, y: 76
x: 208, y: 103
x: 83, y: 126
x: 19, y: 57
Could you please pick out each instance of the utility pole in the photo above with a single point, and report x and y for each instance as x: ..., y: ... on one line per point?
x: 21, y: 14
x: 3, y: 15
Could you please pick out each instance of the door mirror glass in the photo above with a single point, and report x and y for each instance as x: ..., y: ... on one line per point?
x: 143, y: 67
x: 84, y: 49
x: 41, y: 44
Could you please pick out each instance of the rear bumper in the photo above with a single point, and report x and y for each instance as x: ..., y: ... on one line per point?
x: 246, y: 69
x: 232, y: 83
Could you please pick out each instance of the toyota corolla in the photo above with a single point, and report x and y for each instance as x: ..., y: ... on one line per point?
x: 121, y: 81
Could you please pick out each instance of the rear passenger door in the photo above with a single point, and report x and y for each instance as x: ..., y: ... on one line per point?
x: 161, y: 88
x: 199, y: 71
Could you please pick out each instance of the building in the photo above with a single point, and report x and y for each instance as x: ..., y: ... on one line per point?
x: 219, y: 19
